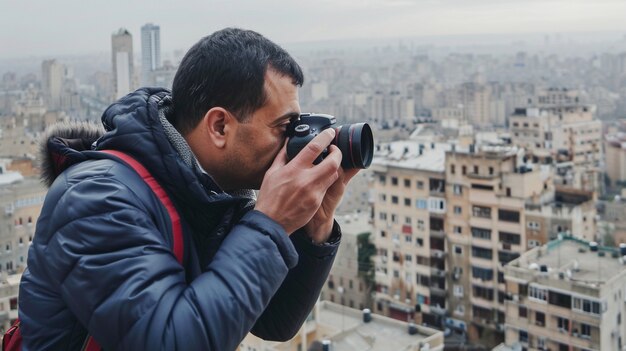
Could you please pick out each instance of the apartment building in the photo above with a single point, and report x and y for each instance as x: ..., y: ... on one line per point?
x: 345, y: 285
x: 487, y: 190
x: 21, y: 198
x: 567, y: 136
x: 339, y: 328
x: 409, y: 208
x: 615, y: 146
x: 568, y: 295
x: 9, y: 289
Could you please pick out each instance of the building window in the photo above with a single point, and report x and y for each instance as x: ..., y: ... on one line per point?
x: 394, y: 200
x: 523, y: 336
x: 523, y: 312
x: 382, y: 179
x: 419, y: 242
x: 490, y: 170
x: 457, y: 189
x: 533, y: 243
x: 458, y: 290
x: 482, y: 212
x: 482, y: 292
x: 475, y: 169
x: 458, y: 210
x: 452, y: 170
x: 538, y: 294
x: 481, y: 233
x: 420, y: 184
x: 508, y: 216
x: 458, y: 250
x: 585, y: 330
x: 458, y: 230
x: 407, y: 183
x: 586, y: 306
x: 420, y: 224
x: 485, y: 274
x: 509, y: 238
x: 421, y: 204
x: 533, y: 225
x: 407, y: 202
x: 394, y: 181
x: 482, y: 252
x: 562, y: 323
x: 540, y: 319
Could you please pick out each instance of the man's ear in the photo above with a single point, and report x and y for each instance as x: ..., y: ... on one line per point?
x: 218, y: 122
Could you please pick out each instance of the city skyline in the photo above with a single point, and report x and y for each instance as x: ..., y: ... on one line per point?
x: 70, y: 27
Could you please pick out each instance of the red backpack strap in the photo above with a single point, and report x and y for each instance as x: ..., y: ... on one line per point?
x: 90, y: 343
x: 177, y: 229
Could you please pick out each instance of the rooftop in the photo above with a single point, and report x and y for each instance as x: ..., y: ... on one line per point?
x: 381, y: 334
x: 412, y: 154
x: 355, y: 224
x: 575, y: 260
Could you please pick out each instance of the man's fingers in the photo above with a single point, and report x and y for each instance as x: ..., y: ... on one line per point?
x: 314, y: 148
x: 328, y: 169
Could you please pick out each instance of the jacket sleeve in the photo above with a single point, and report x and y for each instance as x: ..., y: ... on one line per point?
x: 298, y: 294
x: 119, y: 277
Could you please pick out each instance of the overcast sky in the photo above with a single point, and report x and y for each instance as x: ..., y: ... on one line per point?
x: 63, y: 27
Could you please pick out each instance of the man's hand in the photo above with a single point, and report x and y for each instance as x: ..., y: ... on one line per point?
x: 320, y: 226
x: 291, y: 193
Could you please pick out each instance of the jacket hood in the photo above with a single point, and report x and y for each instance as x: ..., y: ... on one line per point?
x: 62, y: 146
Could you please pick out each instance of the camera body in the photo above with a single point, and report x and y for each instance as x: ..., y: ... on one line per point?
x: 354, y: 140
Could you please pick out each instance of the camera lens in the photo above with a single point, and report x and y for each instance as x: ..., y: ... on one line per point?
x: 356, y: 144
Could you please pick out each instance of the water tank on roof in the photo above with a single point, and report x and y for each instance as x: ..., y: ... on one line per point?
x: 367, y: 315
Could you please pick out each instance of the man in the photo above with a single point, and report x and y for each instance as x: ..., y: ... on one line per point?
x: 101, y: 262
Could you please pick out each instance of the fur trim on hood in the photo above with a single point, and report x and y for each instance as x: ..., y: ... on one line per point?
x: 62, y: 144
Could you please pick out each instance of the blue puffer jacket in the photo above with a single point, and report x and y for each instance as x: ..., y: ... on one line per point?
x: 101, y: 260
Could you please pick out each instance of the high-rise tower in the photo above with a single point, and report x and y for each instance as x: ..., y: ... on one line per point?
x: 122, y: 59
x: 150, y: 52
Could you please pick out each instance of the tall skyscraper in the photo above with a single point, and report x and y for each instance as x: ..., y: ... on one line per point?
x: 52, y: 76
x: 122, y: 59
x: 150, y: 52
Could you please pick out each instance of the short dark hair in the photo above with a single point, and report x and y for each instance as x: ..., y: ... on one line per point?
x: 227, y: 69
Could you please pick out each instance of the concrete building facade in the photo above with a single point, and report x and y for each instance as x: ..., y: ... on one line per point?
x: 566, y: 295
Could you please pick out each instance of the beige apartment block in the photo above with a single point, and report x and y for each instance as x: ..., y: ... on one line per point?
x: 340, y: 328
x: 615, y: 147
x: 565, y: 135
x: 20, y: 200
x: 487, y: 192
x: 9, y: 289
x: 409, y: 209
x: 566, y: 295
x: 345, y: 286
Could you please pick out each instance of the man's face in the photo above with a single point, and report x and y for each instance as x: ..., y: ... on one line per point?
x: 262, y: 135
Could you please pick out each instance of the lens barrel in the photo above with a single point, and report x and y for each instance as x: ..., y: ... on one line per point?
x: 356, y: 143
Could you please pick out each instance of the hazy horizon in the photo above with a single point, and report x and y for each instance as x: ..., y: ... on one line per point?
x: 72, y: 27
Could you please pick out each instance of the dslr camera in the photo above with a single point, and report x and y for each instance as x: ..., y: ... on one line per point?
x: 355, y: 141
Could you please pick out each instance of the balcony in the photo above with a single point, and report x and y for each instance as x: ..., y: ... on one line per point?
x: 436, y: 272
x: 437, y: 233
x: 436, y: 290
